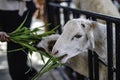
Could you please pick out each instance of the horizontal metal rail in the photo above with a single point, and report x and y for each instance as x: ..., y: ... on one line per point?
x: 93, y: 14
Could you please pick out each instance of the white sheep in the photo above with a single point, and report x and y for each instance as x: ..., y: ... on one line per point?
x: 78, y: 36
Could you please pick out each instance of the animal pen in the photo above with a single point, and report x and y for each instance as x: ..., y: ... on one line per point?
x: 59, y: 15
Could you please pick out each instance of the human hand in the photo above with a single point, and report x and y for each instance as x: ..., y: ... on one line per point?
x: 4, y: 37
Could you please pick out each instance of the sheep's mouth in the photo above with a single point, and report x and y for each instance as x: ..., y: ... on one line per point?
x: 63, y: 56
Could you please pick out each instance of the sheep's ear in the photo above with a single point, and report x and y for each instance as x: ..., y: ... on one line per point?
x: 90, y: 32
x: 91, y: 25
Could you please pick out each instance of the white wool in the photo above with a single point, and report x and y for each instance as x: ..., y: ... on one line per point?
x: 98, y: 6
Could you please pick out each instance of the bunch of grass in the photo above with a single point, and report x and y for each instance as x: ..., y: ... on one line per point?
x: 26, y: 38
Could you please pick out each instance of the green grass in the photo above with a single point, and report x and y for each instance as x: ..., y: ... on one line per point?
x: 26, y: 38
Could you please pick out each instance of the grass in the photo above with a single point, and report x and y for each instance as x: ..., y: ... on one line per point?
x: 27, y: 38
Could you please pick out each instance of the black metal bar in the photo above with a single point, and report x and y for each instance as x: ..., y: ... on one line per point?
x: 90, y: 65
x: 57, y: 19
x: 96, y: 67
x: 53, y: 17
x: 66, y: 15
x: 49, y: 15
x: 110, y: 49
x: 117, y: 51
x: 75, y: 15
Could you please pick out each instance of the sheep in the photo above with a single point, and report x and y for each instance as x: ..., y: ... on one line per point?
x: 77, y: 37
x: 105, y: 7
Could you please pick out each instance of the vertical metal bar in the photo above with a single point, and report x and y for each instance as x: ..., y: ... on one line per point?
x: 53, y: 16
x: 96, y: 67
x: 90, y: 65
x: 66, y: 13
x: 88, y: 17
x: 57, y: 19
x: 76, y: 15
x: 68, y: 3
x: 49, y: 14
x: 118, y: 51
x: 110, y: 50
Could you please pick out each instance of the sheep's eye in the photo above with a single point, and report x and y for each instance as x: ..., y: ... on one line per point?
x: 83, y: 25
x: 77, y: 36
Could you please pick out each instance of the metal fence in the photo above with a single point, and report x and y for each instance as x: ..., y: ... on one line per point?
x: 59, y: 15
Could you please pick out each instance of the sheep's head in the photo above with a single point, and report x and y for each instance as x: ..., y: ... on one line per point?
x: 77, y: 37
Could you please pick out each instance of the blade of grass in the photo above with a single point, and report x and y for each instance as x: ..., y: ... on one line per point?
x: 16, y: 50
x: 42, y: 70
x: 21, y: 25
